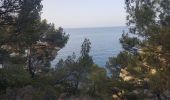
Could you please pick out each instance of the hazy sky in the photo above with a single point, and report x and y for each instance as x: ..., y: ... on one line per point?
x: 84, y: 13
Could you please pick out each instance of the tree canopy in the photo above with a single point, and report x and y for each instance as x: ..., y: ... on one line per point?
x: 28, y: 44
x: 147, y: 67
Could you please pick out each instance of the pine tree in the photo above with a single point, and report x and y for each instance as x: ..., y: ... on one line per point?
x: 149, y: 66
x: 26, y: 32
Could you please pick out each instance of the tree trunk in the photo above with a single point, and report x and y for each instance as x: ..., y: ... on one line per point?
x: 158, y: 96
x: 30, y: 67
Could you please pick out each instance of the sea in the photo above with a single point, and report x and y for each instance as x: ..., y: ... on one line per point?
x: 104, y: 43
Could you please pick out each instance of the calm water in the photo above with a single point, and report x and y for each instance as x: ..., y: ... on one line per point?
x: 105, y: 43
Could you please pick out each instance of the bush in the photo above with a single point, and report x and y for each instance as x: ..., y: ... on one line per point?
x: 14, y: 76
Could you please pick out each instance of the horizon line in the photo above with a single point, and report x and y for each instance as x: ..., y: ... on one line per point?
x: 93, y: 27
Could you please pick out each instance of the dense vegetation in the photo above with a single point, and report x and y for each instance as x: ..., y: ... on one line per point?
x: 144, y: 64
x: 28, y: 44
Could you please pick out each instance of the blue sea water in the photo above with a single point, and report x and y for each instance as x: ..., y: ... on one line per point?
x: 104, y: 43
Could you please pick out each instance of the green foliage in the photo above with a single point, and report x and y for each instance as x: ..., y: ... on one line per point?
x: 56, y: 37
x: 14, y: 76
x: 123, y: 59
x: 21, y: 30
x: 51, y: 41
x: 8, y: 8
x: 149, y: 21
x: 28, y: 45
x: 24, y: 19
x: 26, y: 32
x: 129, y: 42
x: 28, y: 21
x: 99, y: 84
x: 75, y: 72
x: 79, y: 76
